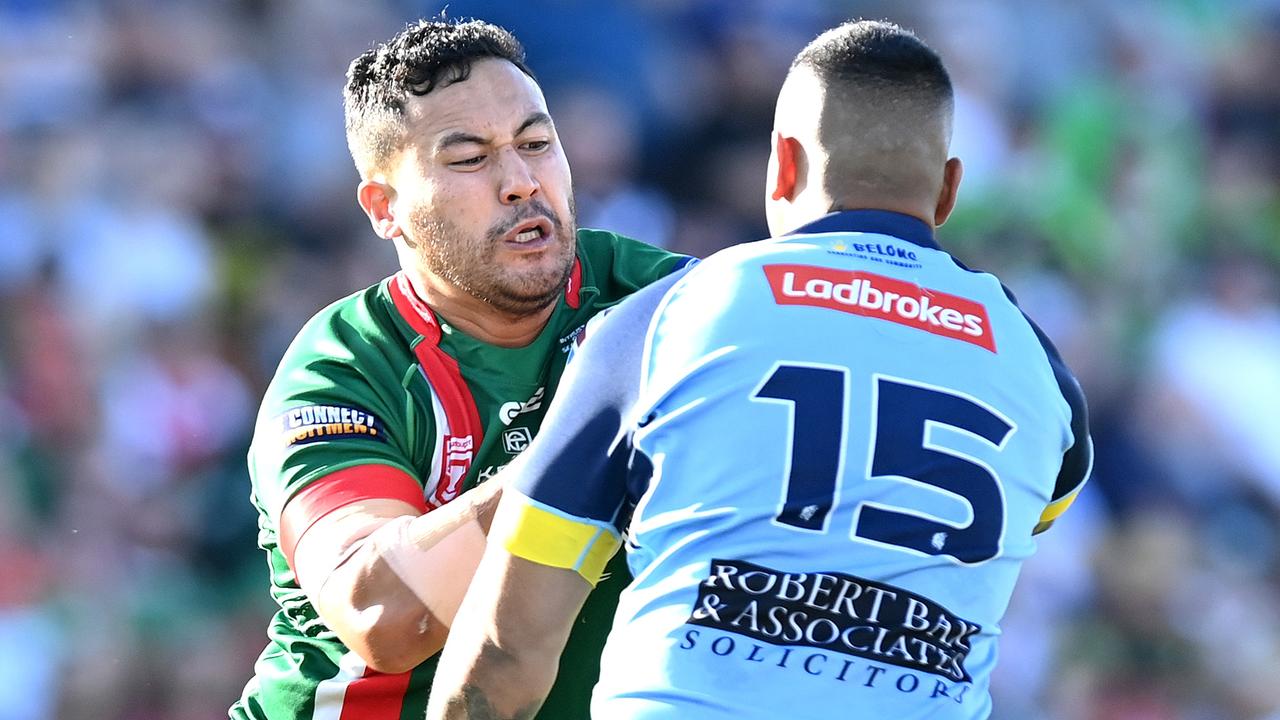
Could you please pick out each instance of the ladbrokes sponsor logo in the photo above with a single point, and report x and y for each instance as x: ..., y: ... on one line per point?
x: 312, y: 423
x: 871, y: 295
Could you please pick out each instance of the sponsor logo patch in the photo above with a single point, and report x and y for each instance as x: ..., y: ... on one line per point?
x: 871, y: 295
x: 510, y: 410
x: 835, y: 613
x: 489, y: 472
x: 458, y: 451
x: 884, y: 252
x: 312, y: 423
x: 516, y: 440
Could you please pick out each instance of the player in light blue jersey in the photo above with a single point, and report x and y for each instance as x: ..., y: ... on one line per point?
x: 828, y: 451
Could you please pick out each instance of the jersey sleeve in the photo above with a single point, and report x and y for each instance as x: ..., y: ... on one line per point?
x: 331, y: 431
x: 569, y: 488
x: 1077, y: 460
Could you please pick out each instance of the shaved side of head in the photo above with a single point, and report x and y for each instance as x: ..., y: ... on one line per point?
x: 886, y: 110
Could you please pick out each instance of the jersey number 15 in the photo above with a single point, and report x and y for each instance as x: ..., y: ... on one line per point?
x: 902, y: 416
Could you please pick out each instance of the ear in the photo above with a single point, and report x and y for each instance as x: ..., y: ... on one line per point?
x: 790, y: 161
x: 951, y: 175
x: 375, y: 198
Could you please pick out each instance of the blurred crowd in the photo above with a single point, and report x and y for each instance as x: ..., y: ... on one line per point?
x: 176, y: 199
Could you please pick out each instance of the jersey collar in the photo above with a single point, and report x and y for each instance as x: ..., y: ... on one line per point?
x: 879, y: 222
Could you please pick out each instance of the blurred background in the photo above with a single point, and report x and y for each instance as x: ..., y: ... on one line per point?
x: 176, y: 199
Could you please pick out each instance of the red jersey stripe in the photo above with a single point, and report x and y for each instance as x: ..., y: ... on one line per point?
x: 465, y: 431
x: 339, y: 489
x: 375, y: 696
x: 573, y: 289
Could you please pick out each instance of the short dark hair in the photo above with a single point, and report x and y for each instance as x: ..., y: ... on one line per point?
x: 885, y: 91
x: 425, y: 55
x: 876, y: 53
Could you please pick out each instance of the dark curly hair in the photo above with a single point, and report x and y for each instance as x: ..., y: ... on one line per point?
x: 425, y: 55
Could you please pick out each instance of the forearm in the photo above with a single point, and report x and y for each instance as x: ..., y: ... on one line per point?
x: 395, y: 588
x: 434, y: 556
x: 477, y: 504
x: 495, y: 686
x: 504, y: 650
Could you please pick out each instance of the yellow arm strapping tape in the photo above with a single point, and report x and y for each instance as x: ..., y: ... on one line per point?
x: 546, y: 538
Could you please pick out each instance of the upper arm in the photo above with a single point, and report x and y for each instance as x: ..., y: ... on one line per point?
x: 535, y: 604
x: 571, y: 483
x: 292, y: 451
x: 332, y: 466
x: 1077, y: 460
x: 336, y: 509
x: 328, y: 435
x: 329, y: 539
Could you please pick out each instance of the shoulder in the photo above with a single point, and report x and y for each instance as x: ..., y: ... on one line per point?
x: 619, y: 265
x: 352, y: 342
x: 337, y: 400
x: 603, y: 246
x: 1058, y: 376
x: 342, y: 329
x: 592, y: 240
x: 352, y: 316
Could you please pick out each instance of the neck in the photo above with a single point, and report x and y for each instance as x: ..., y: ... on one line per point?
x: 922, y: 211
x: 478, y: 318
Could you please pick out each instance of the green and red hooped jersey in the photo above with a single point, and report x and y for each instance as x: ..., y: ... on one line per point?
x: 377, y: 397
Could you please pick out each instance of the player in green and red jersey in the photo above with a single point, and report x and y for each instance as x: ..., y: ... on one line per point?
x: 393, y: 405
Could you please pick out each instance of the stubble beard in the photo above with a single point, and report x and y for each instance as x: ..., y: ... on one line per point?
x: 469, y: 264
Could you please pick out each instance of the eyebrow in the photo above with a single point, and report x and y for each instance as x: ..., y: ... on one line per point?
x: 465, y: 138
x: 459, y: 138
x: 536, y: 117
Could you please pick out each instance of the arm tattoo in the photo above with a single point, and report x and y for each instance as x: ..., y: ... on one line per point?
x: 474, y: 705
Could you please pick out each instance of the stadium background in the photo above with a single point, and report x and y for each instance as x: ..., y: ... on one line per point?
x: 176, y: 199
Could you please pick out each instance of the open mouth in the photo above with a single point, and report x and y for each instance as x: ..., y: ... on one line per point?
x: 531, y: 231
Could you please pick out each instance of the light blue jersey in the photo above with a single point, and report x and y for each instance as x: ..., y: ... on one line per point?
x: 838, y: 445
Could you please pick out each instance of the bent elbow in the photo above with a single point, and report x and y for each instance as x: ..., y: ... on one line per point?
x: 397, y: 642
x: 388, y: 663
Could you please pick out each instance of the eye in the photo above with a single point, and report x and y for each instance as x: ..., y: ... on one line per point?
x: 469, y: 162
x: 536, y: 145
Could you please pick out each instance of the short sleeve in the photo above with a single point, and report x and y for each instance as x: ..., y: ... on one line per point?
x: 1077, y: 460
x: 334, y: 404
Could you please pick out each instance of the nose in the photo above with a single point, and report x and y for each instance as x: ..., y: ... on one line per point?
x: 517, y: 181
